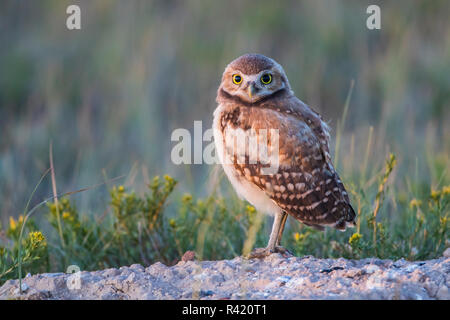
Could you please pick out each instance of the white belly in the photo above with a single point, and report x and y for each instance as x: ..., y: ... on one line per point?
x: 244, y: 188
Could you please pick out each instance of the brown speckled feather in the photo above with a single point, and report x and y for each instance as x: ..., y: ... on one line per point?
x: 306, y: 185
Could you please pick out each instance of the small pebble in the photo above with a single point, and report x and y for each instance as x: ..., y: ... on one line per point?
x: 447, y: 253
x: 188, y: 256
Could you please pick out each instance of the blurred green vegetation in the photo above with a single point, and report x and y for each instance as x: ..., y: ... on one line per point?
x: 109, y: 96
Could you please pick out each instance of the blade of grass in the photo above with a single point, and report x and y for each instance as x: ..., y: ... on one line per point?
x: 19, y: 257
x: 390, y: 164
x: 349, y: 162
x: 366, y: 157
x: 55, y: 194
x: 341, y: 124
x: 27, y: 215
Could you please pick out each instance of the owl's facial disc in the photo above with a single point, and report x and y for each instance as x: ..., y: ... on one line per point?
x: 252, y: 88
x: 252, y: 79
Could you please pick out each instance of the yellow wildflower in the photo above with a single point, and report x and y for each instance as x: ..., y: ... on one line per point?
x: 354, y: 239
x: 186, y: 197
x: 66, y: 215
x: 168, y: 178
x: 251, y: 209
x: 36, y: 239
x: 12, y: 224
x: 446, y: 190
x: 435, y: 195
x: 300, y: 236
x: 415, y: 203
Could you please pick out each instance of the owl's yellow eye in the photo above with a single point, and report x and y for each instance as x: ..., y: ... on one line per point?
x: 266, y: 78
x: 237, y: 79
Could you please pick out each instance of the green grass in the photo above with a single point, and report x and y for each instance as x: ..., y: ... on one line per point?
x: 156, y: 227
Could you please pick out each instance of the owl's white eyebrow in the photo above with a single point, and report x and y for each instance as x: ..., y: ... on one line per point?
x: 249, y: 77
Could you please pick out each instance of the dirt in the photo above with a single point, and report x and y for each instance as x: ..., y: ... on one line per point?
x: 275, y: 277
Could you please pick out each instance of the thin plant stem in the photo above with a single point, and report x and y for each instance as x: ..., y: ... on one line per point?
x: 55, y: 194
x: 27, y: 215
x: 341, y: 124
x: 19, y: 257
x: 366, y: 157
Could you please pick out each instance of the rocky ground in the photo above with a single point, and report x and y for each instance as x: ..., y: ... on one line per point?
x: 275, y: 277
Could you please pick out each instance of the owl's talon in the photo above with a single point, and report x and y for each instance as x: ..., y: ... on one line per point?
x: 261, y: 253
x: 283, y: 251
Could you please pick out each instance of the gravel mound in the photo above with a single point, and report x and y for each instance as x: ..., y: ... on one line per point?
x: 275, y: 277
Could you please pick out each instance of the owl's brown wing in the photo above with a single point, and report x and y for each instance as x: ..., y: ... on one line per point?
x: 306, y: 185
x: 313, y: 119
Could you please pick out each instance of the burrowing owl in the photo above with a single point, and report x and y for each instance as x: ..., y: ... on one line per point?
x: 255, y: 96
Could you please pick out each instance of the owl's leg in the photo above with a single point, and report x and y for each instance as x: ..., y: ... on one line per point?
x: 276, y: 227
x: 274, y: 240
x: 278, y: 247
x: 280, y: 232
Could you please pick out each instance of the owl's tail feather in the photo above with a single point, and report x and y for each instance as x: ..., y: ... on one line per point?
x: 351, y: 218
x: 341, y: 224
x: 315, y: 226
x: 346, y: 221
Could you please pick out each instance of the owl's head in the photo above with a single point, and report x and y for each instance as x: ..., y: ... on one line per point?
x: 252, y: 78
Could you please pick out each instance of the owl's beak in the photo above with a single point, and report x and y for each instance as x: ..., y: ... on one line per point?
x: 251, y: 90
